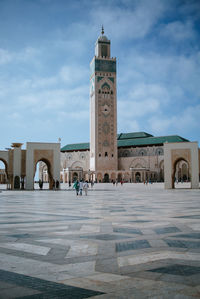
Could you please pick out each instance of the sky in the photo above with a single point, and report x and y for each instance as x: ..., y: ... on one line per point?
x: 45, y: 50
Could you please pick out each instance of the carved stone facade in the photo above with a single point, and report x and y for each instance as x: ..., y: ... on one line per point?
x: 103, y: 108
x: 134, y: 165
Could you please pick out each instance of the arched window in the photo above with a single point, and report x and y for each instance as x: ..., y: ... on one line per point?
x: 159, y: 151
x: 142, y: 152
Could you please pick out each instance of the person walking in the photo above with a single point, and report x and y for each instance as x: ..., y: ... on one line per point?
x: 40, y: 184
x: 57, y: 184
x: 76, y: 186
x: 81, y: 187
x: 53, y: 185
x: 85, y: 187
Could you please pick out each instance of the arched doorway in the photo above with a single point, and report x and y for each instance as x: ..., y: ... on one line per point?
x: 3, y: 174
x: 176, y: 151
x: 181, y: 172
x: 137, y: 177
x: 119, y: 177
x: 74, y: 176
x: 106, y: 178
x: 43, y: 178
x: 99, y: 177
x: 161, y: 171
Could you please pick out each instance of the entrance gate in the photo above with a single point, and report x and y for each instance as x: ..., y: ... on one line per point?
x: 173, y: 153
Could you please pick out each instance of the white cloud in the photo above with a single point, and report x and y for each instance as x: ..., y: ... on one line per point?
x: 174, y: 76
x: 137, y: 109
x: 132, y: 21
x: 74, y: 74
x: 180, y: 123
x: 179, y: 31
x: 128, y: 125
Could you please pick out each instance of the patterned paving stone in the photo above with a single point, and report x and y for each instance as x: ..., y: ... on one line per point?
x: 183, y: 244
x: 44, y: 288
x: 104, y: 237
x: 166, y: 230
x: 182, y: 270
x: 189, y: 217
x: 134, y: 245
x: 126, y: 230
x: 129, y: 241
x: 188, y: 236
x: 140, y: 221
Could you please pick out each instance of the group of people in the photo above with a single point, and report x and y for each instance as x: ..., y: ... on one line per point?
x: 79, y: 186
x: 146, y: 182
x: 115, y: 182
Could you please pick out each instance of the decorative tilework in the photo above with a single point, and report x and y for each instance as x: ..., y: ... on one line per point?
x: 105, y: 65
x: 188, y: 236
x: 106, y: 242
x: 111, y: 79
x: 183, y: 244
x: 166, y: 230
x: 183, y: 270
x: 104, y: 237
x: 125, y: 230
x: 134, y: 245
x: 46, y: 289
x: 99, y: 78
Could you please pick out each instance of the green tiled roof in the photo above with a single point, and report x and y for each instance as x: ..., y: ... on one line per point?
x: 125, y: 140
x: 133, y: 135
x: 150, y: 141
x: 75, y: 147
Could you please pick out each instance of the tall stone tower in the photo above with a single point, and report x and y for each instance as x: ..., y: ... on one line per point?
x: 103, y: 109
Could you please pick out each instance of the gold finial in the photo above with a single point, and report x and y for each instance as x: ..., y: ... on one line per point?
x: 102, y: 30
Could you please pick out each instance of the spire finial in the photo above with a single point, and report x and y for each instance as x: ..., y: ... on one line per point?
x: 102, y: 30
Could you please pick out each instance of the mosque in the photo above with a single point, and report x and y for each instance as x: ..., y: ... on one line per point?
x: 131, y: 157
x: 128, y: 157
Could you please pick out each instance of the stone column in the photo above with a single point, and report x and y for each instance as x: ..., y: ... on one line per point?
x: 17, y: 157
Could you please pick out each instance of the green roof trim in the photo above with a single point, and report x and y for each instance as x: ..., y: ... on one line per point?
x: 124, y: 140
x: 75, y: 147
x: 150, y: 141
x: 133, y: 135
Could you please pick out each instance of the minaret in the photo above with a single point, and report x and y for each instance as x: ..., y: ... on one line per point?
x: 103, y: 108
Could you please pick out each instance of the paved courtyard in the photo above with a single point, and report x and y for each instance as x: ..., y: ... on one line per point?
x: 130, y: 241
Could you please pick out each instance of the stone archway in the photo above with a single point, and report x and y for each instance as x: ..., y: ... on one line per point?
x: 99, y: 177
x: 49, y: 153
x: 106, y: 178
x: 48, y: 165
x: 6, y: 166
x: 161, y: 171
x: 119, y: 177
x: 113, y: 176
x: 138, y: 177
x: 173, y: 153
x: 4, y: 174
x: 74, y: 176
x: 177, y: 177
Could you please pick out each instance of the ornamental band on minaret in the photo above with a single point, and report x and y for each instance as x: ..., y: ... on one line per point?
x: 103, y: 108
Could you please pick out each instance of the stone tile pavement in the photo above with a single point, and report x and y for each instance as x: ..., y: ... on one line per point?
x: 130, y: 241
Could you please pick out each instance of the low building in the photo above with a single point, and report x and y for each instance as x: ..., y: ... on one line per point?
x: 140, y: 158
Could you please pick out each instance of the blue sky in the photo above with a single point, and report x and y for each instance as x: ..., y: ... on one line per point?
x: 45, y: 50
